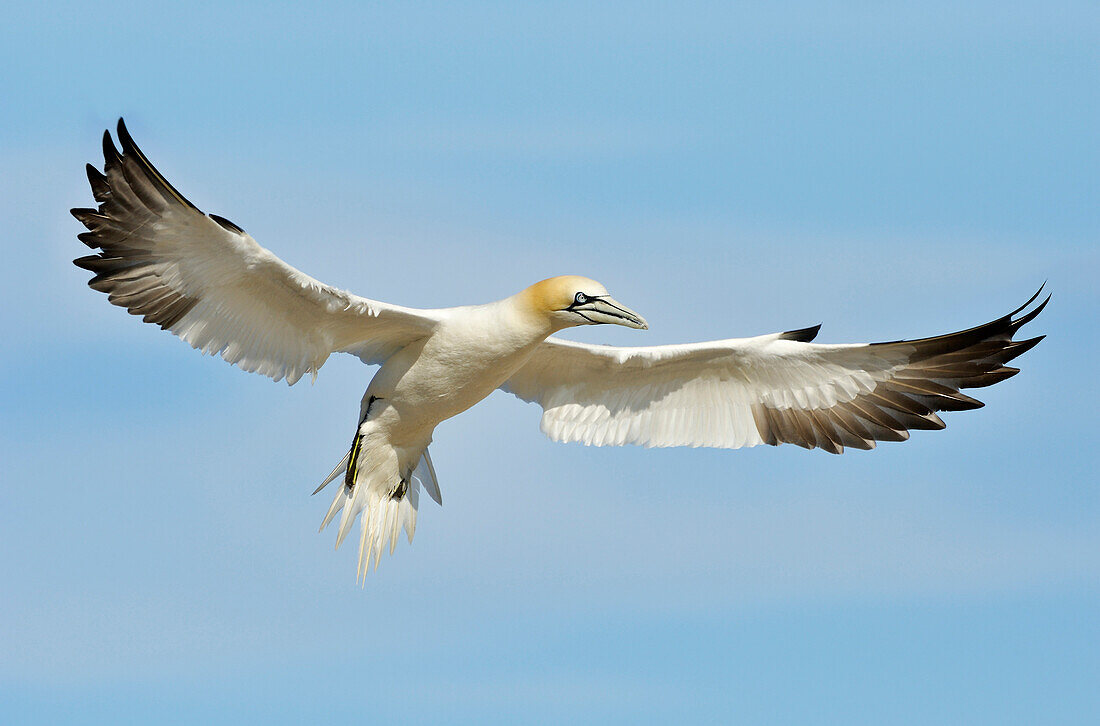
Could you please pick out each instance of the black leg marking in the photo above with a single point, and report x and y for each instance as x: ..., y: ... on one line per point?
x: 399, y: 490
x: 356, y: 443
x: 353, y: 461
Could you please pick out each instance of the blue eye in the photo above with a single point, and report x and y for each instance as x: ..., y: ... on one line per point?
x: 580, y: 299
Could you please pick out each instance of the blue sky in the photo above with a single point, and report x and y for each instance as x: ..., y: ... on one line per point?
x: 726, y: 170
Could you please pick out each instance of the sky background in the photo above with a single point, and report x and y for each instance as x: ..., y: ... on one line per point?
x: 726, y: 170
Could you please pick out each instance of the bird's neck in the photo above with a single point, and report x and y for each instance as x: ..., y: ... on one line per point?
x: 521, y: 318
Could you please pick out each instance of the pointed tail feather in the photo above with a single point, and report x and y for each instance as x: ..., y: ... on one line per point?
x: 382, y: 508
x: 381, y: 519
x: 425, y: 472
x: 337, y: 471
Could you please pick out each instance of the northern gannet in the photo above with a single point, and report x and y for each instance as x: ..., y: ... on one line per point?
x: 204, y: 279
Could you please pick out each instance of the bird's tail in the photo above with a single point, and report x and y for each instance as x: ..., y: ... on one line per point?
x: 384, y: 515
x: 388, y: 503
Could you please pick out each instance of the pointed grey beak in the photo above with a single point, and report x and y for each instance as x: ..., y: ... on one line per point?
x: 606, y: 309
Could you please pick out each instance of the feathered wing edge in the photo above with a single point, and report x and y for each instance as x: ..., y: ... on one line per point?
x: 204, y: 279
x: 132, y: 194
x: 930, y: 381
x: 837, y: 404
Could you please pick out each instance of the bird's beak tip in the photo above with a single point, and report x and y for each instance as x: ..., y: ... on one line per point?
x: 635, y: 321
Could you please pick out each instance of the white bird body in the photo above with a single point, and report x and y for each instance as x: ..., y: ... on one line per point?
x: 206, y: 280
x: 471, y: 352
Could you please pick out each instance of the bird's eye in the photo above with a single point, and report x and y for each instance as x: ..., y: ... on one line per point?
x: 580, y: 299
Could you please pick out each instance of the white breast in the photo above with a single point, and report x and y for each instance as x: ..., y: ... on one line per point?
x: 467, y: 357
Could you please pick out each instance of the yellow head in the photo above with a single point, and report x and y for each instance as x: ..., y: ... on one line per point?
x: 570, y: 300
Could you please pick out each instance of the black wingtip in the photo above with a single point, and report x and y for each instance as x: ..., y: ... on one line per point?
x: 802, y: 335
x: 226, y: 224
x: 88, y: 262
x: 101, y: 187
x: 110, y: 152
x: 1030, y: 300
x: 1018, y: 348
x: 1025, y: 319
x: 131, y: 150
x: 123, y: 133
x: 124, y: 137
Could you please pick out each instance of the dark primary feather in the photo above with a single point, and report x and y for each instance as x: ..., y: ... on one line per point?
x: 937, y: 369
x: 202, y: 278
x: 802, y: 335
x: 132, y: 195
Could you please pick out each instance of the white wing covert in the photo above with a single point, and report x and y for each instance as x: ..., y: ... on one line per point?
x: 206, y: 280
x: 769, y: 389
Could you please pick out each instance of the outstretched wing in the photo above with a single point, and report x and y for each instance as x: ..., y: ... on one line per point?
x: 203, y: 278
x: 771, y: 389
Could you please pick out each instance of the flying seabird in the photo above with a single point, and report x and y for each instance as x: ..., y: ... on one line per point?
x: 206, y: 280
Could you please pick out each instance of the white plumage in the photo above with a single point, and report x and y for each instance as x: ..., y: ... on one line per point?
x: 206, y: 280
